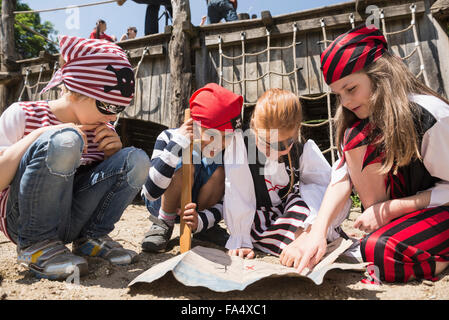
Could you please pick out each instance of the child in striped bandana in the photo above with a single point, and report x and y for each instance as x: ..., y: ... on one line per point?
x: 392, y: 132
x: 65, y: 176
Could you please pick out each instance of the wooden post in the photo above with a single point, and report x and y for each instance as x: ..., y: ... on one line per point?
x: 180, y: 62
x: 185, y: 238
x: 8, y: 52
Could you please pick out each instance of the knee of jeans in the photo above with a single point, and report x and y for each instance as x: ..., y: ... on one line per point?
x: 138, y: 165
x: 64, y: 152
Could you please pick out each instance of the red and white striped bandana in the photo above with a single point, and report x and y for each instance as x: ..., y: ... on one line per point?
x: 95, y: 68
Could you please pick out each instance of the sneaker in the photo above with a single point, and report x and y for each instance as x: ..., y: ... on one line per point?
x: 156, y: 240
x: 51, y: 259
x: 105, y: 248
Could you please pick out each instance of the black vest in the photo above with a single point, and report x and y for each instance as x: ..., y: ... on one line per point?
x: 260, y: 186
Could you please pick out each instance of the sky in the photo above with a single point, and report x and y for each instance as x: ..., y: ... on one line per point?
x: 81, y: 21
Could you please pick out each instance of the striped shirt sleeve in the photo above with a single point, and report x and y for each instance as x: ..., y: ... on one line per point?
x: 207, y: 218
x: 166, y: 155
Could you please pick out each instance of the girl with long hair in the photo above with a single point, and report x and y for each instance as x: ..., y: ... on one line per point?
x: 391, y: 133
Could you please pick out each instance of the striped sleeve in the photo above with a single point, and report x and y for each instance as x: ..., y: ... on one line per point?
x: 166, y: 155
x: 208, y: 217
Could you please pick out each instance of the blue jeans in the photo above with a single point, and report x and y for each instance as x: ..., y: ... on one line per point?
x: 203, y: 171
x: 53, y: 198
x: 220, y: 9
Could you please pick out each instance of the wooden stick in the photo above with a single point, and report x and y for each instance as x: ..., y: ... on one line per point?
x: 185, y: 238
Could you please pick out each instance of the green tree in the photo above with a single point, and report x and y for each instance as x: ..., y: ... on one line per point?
x: 29, y: 44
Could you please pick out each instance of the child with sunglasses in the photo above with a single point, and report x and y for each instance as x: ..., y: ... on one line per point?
x: 273, y: 183
x: 392, y: 133
x: 215, y: 112
x: 65, y: 176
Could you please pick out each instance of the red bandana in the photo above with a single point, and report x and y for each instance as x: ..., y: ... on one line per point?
x: 216, y: 107
x: 351, y: 52
x: 95, y: 68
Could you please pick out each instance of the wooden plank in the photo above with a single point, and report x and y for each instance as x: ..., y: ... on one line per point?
x: 154, y: 51
x: 397, y: 41
x: 434, y: 54
x: 252, y: 72
x: 262, y: 68
x: 233, y: 70
x: 287, y: 59
x: 36, y: 68
x: 308, y: 25
x: 156, y: 91
x: 413, y: 62
x: 315, y: 80
x: 301, y: 62
x: 276, y: 64
x: 165, y: 112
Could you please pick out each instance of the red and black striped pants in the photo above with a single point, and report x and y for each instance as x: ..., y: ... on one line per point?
x: 410, y: 245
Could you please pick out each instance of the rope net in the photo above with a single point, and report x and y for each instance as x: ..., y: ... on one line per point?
x: 243, y: 80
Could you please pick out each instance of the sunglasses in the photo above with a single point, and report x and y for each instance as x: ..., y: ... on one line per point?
x: 106, y: 108
x: 279, y: 145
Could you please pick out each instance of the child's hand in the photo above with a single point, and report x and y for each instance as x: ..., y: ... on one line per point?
x: 372, y: 218
x: 108, y: 140
x: 190, y: 216
x: 242, y: 253
x: 187, y: 129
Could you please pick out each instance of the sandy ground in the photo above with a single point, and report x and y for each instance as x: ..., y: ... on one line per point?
x: 105, y: 281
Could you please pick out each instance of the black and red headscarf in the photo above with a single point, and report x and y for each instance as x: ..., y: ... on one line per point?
x: 351, y: 52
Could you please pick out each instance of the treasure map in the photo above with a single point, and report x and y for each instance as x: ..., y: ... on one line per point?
x: 214, y: 269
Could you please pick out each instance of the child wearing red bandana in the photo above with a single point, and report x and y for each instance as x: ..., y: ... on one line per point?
x: 392, y: 133
x: 65, y: 176
x: 215, y: 114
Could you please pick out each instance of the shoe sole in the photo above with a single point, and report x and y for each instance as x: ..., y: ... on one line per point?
x: 83, y: 270
x: 150, y: 247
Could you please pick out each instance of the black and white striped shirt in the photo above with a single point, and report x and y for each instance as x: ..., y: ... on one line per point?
x: 167, y: 154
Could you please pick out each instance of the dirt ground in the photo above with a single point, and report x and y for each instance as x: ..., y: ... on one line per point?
x: 106, y: 282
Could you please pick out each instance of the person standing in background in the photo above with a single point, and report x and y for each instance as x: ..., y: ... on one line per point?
x: 99, y: 32
x: 151, y: 16
x: 131, y: 33
x: 221, y: 9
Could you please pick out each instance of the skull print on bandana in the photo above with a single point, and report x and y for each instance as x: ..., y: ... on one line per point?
x: 125, y: 81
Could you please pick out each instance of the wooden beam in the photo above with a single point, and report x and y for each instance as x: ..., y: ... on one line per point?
x: 243, y: 16
x: 7, y: 39
x: 180, y: 62
x: 36, y: 68
x: 152, y: 51
x: 7, y: 77
x: 280, y: 28
x: 45, y: 56
x: 267, y: 19
x: 7, y: 52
